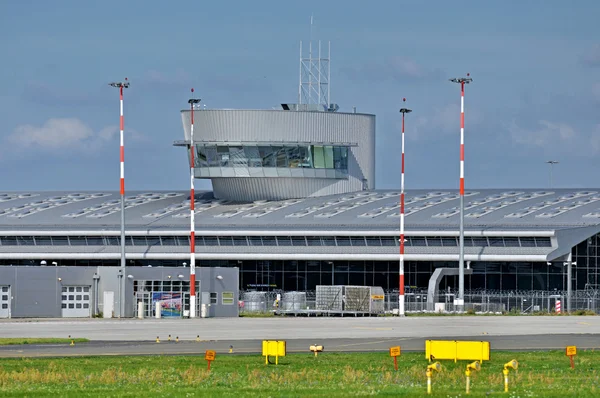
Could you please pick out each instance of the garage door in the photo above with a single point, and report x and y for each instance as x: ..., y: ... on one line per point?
x: 4, y: 301
x: 75, y: 301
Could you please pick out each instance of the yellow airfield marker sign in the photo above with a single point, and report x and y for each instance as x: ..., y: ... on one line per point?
x: 571, y: 351
x: 395, y: 353
x: 210, y: 356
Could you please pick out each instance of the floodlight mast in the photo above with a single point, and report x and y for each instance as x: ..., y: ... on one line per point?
x: 121, y: 86
x: 404, y: 111
x: 192, y: 102
x: 461, y: 256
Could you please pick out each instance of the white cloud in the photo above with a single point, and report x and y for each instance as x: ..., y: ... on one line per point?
x: 397, y: 68
x: 60, y: 134
x: 178, y: 78
x: 546, y: 135
x: 407, y: 67
x: 442, y: 120
x: 550, y: 136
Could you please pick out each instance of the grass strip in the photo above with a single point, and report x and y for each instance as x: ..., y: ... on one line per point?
x: 540, y: 374
x: 31, y: 340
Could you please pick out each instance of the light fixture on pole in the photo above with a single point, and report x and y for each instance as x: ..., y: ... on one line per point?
x: 192, y: 102
x: 121, y: 86
x: 461, y: 256
x: 551, y: 163
x: 403, y: 111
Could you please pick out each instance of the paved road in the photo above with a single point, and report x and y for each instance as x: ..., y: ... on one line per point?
x: 234, y: 329
x: 192, y: 347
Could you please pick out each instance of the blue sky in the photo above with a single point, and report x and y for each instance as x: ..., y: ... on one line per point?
x: 535, y: 95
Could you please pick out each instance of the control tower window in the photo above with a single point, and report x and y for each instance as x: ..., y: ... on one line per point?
x: 257, y: 160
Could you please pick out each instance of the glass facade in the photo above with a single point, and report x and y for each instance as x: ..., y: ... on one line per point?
x: 286, y: 160
x: 306, y: 275
x: 360, y: 241
x: 586, y: 273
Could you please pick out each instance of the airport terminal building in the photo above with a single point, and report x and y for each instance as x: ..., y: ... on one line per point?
x: 293, y: 206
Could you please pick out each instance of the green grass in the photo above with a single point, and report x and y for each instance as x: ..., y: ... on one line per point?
x: 540, y: 374
x: 269, y: 314
x: 27, y: 340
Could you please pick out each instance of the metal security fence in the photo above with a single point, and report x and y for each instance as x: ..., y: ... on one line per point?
x: 477, y: 301
x: 499, y: 301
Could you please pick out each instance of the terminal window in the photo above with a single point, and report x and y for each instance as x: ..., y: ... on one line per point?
x: 283, y: 156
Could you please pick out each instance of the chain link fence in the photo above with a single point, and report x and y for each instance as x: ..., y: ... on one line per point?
x: 477, y: 301
x: 499, y: 301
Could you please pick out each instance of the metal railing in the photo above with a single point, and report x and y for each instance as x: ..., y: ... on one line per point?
x: 476, y: 301
x: 500, y: 301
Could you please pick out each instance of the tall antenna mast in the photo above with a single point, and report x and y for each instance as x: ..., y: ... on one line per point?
x: 313, y: 88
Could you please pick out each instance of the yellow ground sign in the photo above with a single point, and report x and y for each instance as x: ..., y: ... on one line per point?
x: 210, y: 355
x: 571, y: 350
x: 395, y: 351
x: 457, y: 350
x: 273, y: 348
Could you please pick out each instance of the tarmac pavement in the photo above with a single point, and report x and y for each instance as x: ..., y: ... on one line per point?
x: 292, y: 328
x: 233, y: 347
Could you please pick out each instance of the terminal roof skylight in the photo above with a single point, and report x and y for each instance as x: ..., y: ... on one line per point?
x: 433, y: 196
x: 594, y: 214
x: 506, y: 198
x: 506, y: 202
x: 38, y: 206
x: 342, y: 204
x: 199, y: 207
x: 433, y: 199
x: 113, y: 206
x: 5, y: 197
x: 547, y: 203
x: 271, y: 207
x: 336, y: 202
x: 236, y: 211
x: 565, y: 208
x: 364, y: 198
x: 357, y: 210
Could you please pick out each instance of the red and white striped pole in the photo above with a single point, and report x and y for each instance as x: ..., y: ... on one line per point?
x: 122, y: 141
x: 192, y: 102
x: 462, y: 138
x: 121, y: 86
x: 404, y: 111
x: 461, y: 240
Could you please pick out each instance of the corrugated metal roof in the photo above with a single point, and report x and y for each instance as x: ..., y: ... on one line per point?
x: 498, y: 209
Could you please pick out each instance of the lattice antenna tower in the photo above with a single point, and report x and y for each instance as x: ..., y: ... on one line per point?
x: 315, y: 82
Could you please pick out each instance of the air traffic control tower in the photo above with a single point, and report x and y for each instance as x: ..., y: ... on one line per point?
x: 300, y: 150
